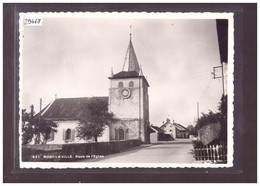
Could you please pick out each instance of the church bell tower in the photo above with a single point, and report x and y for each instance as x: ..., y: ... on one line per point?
x: 129, y: 100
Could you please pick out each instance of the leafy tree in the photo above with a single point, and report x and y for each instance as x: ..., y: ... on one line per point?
x: 27, y: 127
x: 206, y: 119
x: 94, y: 119
x: 45, y: 127
x: 223, y: 117
x: 215, y: 117
x: 33, y: 126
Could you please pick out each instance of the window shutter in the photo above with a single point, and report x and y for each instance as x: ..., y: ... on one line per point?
x: 64, y: 134
x: 72, y: 134
x: 52, y: 135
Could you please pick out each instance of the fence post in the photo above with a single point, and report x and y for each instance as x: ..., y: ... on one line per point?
x: 217, y: 149
x: 213, y: 152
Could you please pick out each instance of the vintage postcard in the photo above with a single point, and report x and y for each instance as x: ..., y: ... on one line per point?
x: 126, y: 90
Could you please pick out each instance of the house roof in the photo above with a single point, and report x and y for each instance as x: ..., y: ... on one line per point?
x: 66, y: 108
x: 180, y: 127
x: 157, y: 129
x: 177, y: 125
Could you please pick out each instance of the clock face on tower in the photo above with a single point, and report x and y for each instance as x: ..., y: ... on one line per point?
x: 126, y: 93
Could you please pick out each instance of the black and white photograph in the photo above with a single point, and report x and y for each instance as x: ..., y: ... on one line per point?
x: 121, y: 90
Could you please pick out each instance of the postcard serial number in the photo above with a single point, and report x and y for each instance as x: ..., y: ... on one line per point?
x: 32, y: 21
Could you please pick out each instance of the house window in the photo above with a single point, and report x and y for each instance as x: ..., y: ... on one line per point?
x: 120, y: 84
x: 68, y: 134
x: 121, y: 134
x: 131, y: 84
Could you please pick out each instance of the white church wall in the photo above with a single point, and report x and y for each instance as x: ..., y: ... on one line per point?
x: 59, y: 136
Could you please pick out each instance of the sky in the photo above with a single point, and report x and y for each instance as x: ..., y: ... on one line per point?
x: 73, y: 57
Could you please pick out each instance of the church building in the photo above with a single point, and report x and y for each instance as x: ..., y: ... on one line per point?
x: 128, y: 100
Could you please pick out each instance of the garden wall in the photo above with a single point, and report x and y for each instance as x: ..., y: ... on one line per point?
x: 73, y: 152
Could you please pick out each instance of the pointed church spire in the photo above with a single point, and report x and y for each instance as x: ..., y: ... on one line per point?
x: 141, y: 72
x: 133, y: 62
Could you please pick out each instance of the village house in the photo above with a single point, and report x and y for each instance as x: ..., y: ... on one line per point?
x: 128, y: 100
x: 175, y: 130
x: 156, y: 134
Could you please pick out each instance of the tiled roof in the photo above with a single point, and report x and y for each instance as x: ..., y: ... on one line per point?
x: 177, y: 125
x: 66, y: 108
x: 125, y: 74
x: 180, y: 127
x: 128, y: 74
x: 158, y: 129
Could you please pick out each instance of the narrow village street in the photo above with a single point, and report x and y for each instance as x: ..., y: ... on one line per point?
x: 178, y: 151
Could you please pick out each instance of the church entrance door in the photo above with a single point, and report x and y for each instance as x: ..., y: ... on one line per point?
x: 121, y: 134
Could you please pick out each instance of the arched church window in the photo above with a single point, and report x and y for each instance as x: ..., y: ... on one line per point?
x: 131, y: 84
x: 120, y: 84
x: 68, y: 134
x: 121, y: 134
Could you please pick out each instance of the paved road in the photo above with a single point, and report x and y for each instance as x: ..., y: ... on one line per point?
x: 178, y: 151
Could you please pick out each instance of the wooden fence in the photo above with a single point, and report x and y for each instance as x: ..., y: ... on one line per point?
x: 215, y: 153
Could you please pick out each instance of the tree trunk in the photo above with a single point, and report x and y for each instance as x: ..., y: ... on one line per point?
x: 95, y: 138
x: 37, y: 139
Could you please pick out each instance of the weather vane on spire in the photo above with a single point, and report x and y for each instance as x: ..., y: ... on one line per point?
x: 130, y: 31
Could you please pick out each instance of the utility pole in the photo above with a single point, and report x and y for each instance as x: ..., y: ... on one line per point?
x: 215, y: 69
x: 40, y: 104
x: 38, y: 134
x: 198, y: 110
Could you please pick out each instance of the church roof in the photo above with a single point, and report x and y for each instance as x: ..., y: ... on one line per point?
x: 66, y: 108
x: 128, y: 74
x: 125, y: 74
